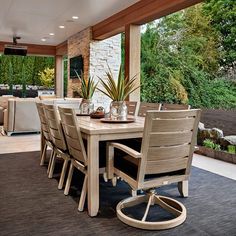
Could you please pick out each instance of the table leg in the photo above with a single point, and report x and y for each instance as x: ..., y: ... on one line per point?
x: 93, y: 174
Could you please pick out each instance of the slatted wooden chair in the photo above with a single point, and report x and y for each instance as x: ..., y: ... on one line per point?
x: 168, y: 106
x: 76, y: 149
x: 145, y: 106
x: 165, y: 158
x: 45, y: 135
x: 131, y: 107
x: 58, y: 140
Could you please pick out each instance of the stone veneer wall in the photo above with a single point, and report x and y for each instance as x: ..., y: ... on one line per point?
x: 102, y: 54
x: 97, y: 55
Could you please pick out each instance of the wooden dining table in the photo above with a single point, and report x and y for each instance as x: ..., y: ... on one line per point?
x: 94, y: 131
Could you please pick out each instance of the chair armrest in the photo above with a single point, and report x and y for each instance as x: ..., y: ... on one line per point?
x: 126, y: 149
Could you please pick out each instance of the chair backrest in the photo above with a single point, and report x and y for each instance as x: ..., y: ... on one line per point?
x: 72, y: 134
x: 145, y: 106
x: 55, y: 127
x: 168, y: 142
x: 131, y: 107
x: 74, y: 104
x: 168, y: 106
x: 46, y: 97
x: 43, y: 121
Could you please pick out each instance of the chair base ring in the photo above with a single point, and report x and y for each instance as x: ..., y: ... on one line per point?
x: 174, y: 207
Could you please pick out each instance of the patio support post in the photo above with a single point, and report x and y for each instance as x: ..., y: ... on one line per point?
x: 133, y: 56
x: 59, y: 76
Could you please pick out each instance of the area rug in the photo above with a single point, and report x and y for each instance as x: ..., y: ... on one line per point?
x: 31, y: 204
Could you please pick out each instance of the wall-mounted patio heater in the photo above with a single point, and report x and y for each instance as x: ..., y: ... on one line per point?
x: 15, y: 50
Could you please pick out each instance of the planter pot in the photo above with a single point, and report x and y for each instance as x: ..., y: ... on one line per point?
x: 118, y: 110
x: 220, y: 155
x: 86, y: 106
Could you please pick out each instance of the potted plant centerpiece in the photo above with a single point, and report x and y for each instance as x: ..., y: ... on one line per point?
x: 86, y: 92
x: 118, y: 92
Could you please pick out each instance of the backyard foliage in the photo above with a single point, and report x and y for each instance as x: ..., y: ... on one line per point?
x: 223, y: 15
x: 23, y: 69
x: 47, y: 77
x: 181, y: 61
x: 210, y: 144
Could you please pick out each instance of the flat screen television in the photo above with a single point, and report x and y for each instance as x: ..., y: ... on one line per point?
x: 76, y: 65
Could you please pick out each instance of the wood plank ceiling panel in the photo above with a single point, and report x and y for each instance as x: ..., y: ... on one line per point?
x: 139, y: 13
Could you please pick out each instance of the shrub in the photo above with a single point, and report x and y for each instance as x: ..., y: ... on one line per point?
x: 231, y: 149
x: 210, y: 144
x: 47, y: 77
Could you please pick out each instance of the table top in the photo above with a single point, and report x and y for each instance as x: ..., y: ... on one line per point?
x: 95, y: 126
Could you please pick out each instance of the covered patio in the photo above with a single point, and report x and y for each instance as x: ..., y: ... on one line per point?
x: 89, y: 32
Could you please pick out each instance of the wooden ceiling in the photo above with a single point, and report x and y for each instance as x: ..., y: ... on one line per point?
x: 139, y: 13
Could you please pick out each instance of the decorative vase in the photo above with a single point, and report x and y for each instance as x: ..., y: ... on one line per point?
x: 86, y: 106
x: 118, y: 110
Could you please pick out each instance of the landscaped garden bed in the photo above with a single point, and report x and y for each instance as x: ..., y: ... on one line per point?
x: 213, y: 143
x: 220, y: 155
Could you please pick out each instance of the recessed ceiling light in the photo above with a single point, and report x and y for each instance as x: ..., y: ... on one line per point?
x: 43, y: 39
x: 61, y: 26
x: 75, y: 17
x: 51, y: 34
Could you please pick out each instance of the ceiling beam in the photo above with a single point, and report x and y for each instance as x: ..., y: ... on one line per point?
x: 62, y: 49
x: 34, y: 49
x: 139, y: 13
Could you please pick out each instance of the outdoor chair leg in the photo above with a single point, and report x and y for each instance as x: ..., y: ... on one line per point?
x: 50, y: 161
x: 83, y: 194
x: 69, y: 178
x: 183, y: 188
x: 52, y: 166
x: 133, y: 193
x: 114, y: 181
x: 105, y: 177
x: 44, y: 153
x: 63, y: 173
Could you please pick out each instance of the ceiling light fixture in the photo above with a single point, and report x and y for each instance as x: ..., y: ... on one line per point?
x: 51, y: 34
x: 61, y: 26
x: 43, y: 39
x: 75, y: 17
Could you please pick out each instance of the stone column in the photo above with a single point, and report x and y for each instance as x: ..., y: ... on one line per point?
x: 104, y: 53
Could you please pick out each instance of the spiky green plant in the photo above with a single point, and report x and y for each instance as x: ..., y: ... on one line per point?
x: 87, y: 88
x: 117, y: 91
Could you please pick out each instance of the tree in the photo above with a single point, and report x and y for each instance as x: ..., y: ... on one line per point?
x: 160, y: 83
x: 223, y: 19
x: 32, y: 66
x: 180, y: 62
